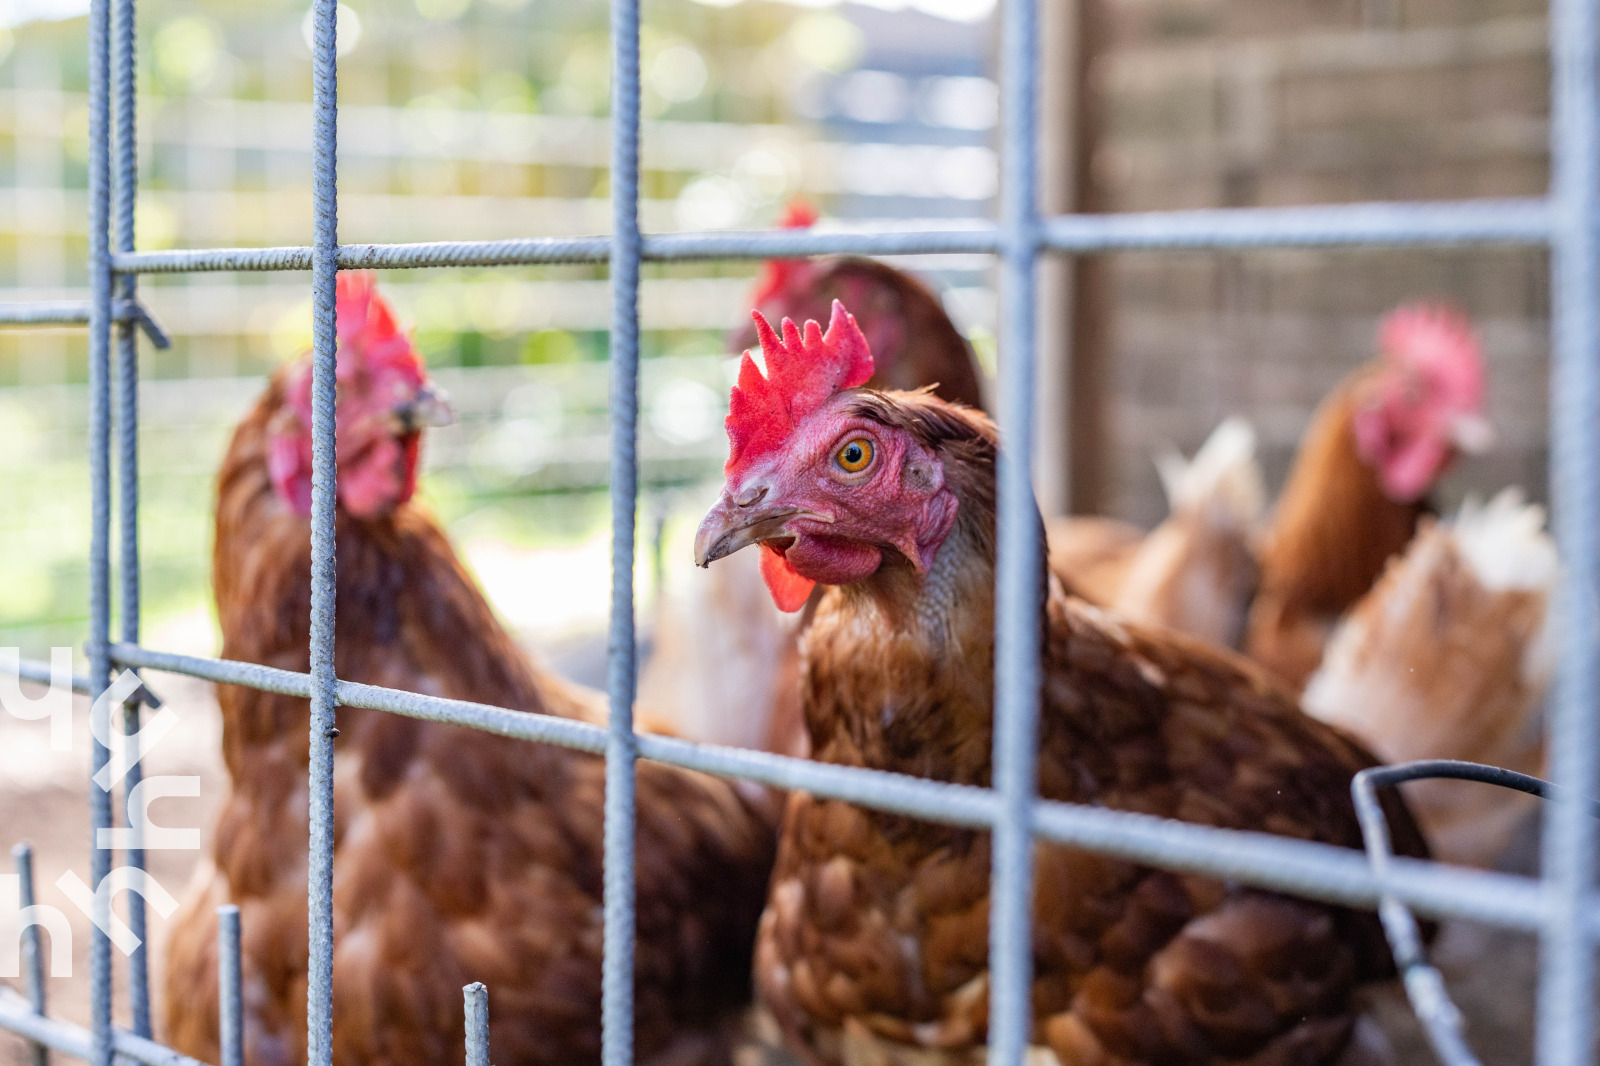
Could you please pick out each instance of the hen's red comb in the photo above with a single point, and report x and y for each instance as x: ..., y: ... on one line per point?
x: 804, y: 368
x: 367, y: 327
x: 1434, y: 338
x: 778, y: 275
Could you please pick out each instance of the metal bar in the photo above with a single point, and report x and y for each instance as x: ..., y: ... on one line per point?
x: 1316, y: 871
x: 76, y: 313
x: 621, y: 814
x: 39, y: 673
x: 1565, y: 1016
x: 1019, y: 574
x: 16, y: 1016
x: 324, y: 501
x: 1522, y: 220
x: 32, y: 948
x: 45, y: 313
x: 476, y: 1005
x: 125, y: 192
x: 230, y: 1005
x: 100, y: 311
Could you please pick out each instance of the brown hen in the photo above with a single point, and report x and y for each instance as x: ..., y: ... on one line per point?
x: 460, y: 856
x: 1375, y: 447
x: 873, y: 947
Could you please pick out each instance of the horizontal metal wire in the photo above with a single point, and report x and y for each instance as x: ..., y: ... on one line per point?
x: 1318, y: 871
x: 39, y: 672
x: 17, y: 1015
x: 1508, y: 221
x: 45, y: 313
x: 76, y: 313
x: 1523, y: 220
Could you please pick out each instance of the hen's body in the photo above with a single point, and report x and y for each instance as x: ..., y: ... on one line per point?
x: 460, y: 856
x: 874, y: 943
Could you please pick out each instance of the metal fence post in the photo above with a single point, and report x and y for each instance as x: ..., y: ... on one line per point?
x: 1566, y: 990
x: 1018, y: 576
x: 32, y: 945
x: 324, y: 500
x: 476, y: 1006
x: 230, y: 1005
x: 616, y: 1048
x: 125, y: 191
x: 100, y: 503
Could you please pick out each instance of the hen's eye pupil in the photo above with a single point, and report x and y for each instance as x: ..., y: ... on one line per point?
x: 852, y: 453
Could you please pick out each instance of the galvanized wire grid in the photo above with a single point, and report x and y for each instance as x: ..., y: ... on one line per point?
x: 1560, y: 906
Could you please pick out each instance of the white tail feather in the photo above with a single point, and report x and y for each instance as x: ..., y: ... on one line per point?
x: 1505, y: 542
x: 1223, y: 478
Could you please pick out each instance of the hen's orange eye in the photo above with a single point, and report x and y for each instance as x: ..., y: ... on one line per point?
x: 854, y: 457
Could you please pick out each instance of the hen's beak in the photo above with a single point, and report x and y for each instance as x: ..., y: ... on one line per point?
x: 430, y: 407
x: 733, y: 524
x: 1472, y: 434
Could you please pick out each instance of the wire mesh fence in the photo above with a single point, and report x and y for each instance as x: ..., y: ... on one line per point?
x: 1560, y: 906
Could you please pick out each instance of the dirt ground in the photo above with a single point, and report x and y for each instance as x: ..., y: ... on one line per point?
x: 43, y: 799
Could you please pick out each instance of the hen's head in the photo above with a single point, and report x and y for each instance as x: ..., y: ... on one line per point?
x: 816, y: 477
x: 1426, y: 403
x: 384, y: 401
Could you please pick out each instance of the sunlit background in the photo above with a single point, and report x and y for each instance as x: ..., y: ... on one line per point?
x: 460, y: 119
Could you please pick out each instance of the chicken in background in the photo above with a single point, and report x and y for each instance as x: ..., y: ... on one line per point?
x: 724, y: 664
x: 1356, y: 490
x: 1447, y: 657
x: 874, y: 944
x: 459, y: 856
x: 1196, y: 572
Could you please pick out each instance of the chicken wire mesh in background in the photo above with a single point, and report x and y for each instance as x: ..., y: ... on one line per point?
x: 1560, y: 907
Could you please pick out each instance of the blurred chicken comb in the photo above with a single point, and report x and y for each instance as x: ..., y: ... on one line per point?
x: 367, y: 327
x: 779, y: 275
x: 1434, y: 338
x: 804, y: 368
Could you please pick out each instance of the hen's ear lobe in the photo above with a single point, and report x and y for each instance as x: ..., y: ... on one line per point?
x: 921, y: 470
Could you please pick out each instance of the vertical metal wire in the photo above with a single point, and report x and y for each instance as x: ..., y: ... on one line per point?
x: 100, y: 504
x: 230, y: 1009
x: 32, y: 947
x: 616, y: 1004
x: 1566, y: 988
x: 476, y: 1005
x: 1018, y: 577
x: 324, y: 499
x: 125, y: 191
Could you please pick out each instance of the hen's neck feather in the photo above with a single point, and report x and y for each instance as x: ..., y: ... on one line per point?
x: 1334, y: 528
x: 900, y: 667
